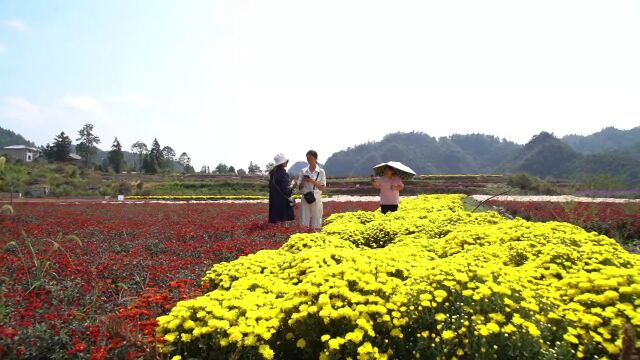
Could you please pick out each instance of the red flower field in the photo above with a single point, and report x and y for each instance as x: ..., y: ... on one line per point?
x: 88, y: 280
x: 616, y: 220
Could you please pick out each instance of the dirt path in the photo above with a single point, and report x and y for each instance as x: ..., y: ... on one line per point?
x: 337, y: 198
x: 561, y: 198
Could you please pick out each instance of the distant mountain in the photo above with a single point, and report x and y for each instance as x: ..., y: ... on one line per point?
x: 488, y: 151
x: 297, y: 167
x: 606, y: 139
x: 424, y: 154
x: 622, y: 163
x: 544, y: 155
x: 8, y: 138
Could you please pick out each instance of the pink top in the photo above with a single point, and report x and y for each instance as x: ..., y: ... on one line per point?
x: 388, y: 196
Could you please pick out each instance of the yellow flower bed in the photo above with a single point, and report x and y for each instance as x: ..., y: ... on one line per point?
x: 429, y: 281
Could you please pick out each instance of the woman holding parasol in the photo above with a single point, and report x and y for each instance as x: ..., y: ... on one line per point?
x: 389, y: 182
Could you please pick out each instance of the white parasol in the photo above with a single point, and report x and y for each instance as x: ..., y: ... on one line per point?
x: 402, y: 170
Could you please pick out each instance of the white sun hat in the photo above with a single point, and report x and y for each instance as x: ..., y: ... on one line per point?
x: 402, y: 170
x: 280, y: 159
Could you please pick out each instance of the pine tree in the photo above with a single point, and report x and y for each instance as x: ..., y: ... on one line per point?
x: 60, y: 149
x: 116, y: 157
x: 156, y: 154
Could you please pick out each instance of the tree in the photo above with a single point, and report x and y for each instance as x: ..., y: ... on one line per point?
x: 116, y: 156
x: 241, y: 172
x: 169, y: 156
x: 222, y: 169
x: 141, y: 149
x: 60, y: 149
x: 88, y: 141
x: 231, y: 170
x: 253, y: 169
x: 149, y: 164
x: 185, y: 161
x: 156, y: 153
x: 15, y: 179
x: 6, y: 209
x: 269, y: 166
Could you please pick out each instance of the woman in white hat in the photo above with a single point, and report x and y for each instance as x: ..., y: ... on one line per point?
x: 280, y: 190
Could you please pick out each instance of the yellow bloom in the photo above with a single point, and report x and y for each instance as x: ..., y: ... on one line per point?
x: 570, y: 338
x: 266, y: 351
x: 448, y: 334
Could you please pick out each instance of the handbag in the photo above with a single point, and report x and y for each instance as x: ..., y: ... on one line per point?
x: 309, y: 196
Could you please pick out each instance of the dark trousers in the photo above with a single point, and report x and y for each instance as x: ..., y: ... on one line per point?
x: 386, y: 208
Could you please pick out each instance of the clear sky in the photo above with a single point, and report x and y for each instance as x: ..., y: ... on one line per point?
x: 239, y: 81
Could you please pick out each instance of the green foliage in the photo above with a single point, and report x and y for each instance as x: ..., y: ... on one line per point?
x: 140, y: 149
x: 532, y: 184
x: 60, y: 149
x: 14, y: 179
x: 116, y: 157
x: 602, y: 181
x: 168, y: 157
x: 109, y: 189
x: 156, y: 155
x: 185, y: 161
x: 150, y: 164
x: 88, y: 141
x: 222, y: 169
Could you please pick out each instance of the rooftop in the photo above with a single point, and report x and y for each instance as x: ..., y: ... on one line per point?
x: 18, y: 147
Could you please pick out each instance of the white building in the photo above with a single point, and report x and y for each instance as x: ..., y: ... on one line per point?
x: 21, y: 152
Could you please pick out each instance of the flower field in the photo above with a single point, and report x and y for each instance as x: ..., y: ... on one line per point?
x: 619, y: 220
x: 429, y: 281
x: 88, y: 280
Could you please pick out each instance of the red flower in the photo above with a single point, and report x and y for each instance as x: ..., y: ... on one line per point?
x: 135, y: 262
x: 8, y: 332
